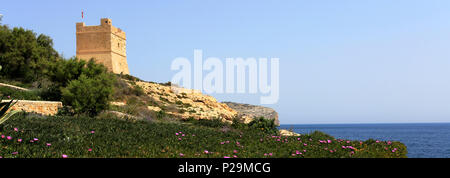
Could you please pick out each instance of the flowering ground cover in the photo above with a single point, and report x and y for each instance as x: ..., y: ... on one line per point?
x: 28, y: 136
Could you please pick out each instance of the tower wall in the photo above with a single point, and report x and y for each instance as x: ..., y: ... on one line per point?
x: 105, y: 43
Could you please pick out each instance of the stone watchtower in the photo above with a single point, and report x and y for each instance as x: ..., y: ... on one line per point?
x: 105, y: 43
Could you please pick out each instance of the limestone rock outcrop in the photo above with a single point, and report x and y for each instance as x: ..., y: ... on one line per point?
x: 186, y: 103
x: 248, y: 112
x: 284, y: 132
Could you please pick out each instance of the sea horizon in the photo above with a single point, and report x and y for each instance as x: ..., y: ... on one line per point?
x: 423, y: 140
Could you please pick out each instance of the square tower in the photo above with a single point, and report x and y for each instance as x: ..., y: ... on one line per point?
x: 105, y: 43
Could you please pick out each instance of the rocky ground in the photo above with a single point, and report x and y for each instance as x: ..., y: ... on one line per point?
x: 192, y: 104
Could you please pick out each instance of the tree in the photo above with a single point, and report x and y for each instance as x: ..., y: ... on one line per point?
x: 89, y: 95
x: 23, y: 55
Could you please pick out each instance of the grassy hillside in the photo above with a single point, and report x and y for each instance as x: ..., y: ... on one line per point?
x: 29, y: 136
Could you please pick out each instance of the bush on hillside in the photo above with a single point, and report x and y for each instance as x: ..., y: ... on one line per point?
x: 89, y: 95
x: 266, y: 125
x: 62, y: 72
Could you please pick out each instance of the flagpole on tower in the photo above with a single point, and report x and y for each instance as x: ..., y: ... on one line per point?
x: 82, y: 14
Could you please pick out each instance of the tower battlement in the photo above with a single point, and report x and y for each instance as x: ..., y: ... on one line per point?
x: 105, y: 43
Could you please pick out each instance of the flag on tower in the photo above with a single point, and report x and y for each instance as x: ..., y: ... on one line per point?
x: 82, y: 14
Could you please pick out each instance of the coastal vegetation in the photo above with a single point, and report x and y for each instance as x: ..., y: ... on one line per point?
x: 84, y: 127
x: 28, y: 135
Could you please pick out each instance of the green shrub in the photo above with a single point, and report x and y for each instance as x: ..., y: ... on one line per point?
x: 138, y: 91
x: 265, y: 125
x: 161, y: 114
x: 238, y: 124
x: 89, y: 95
x: 62, y: 72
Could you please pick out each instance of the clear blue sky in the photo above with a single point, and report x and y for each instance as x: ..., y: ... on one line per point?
x: 341, y: 61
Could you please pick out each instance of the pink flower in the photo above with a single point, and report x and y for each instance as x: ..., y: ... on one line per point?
x: 14, y: 153
x: 19, y: 140
x: 9, y: 137
x: 176, y: 133
x: 293, y: 154
x: 304, y: 150
x: 270, y: 154
x: 206, y: 151
x: 181, y: 154
x: 234, y: 156
x: 305, y: 144
x: 3, y: 136
x: 16, y: 129
x: 226, y: 157
x: 183, y: 135
x: 35, y: 139
x: 90, y: 149
x: 297, y: 152
x: 329, y: 141
x: 49, y: 144
x: 237, y: 143
x: 235, y: 151
x: 331, y: 151
x: 222, y: 143
x: 64, y: 156
x: 265, y: 154
x: 92, y: 132
x: 227, y: 141
x: 179, y: 139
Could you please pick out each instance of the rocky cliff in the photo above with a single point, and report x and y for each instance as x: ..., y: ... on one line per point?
x: 247, y: 112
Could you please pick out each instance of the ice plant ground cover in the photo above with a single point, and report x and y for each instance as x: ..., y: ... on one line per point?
x: 29, y: 136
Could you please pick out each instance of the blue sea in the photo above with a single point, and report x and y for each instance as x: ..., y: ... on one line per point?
x: 422, y: 140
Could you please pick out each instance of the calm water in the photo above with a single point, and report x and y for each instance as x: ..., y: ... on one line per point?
x: 422, y: 140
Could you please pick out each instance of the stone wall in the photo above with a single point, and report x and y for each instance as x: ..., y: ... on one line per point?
x: 39, y: 107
